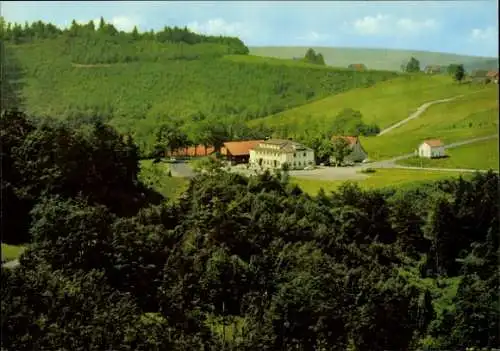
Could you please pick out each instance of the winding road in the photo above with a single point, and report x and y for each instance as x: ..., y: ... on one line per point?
x: 419, y: 111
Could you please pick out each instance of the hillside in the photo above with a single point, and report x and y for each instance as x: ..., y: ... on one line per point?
x: 137, y: 82
x: 384, y: 59
x: 469, y: 117
x: 383, y: 104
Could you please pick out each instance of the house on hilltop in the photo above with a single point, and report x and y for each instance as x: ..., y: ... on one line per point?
x: 239, y: 151
x: 274, y: 153
x: 432, y: 69
x: 357, y: 67
x: 358, y: 153
x: 431, y: 148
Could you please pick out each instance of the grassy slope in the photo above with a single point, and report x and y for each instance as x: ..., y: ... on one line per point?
x: 377, y: 58
x: 156, y: 176
x: 380, y: 179
x: 11, y: 252
x: 385, y: 103
x: 481, y: 155
x: 472, y: 116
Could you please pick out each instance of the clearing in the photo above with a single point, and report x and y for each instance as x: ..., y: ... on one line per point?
x: 156, y: 176
x: 480, y: 155
x: 11, y: 252
x: 468, y: 117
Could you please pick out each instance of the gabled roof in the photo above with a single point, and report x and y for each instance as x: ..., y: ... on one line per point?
x: 239, y: 148
x: 492, y: 74
x: 351, y: 140
x: 433, y: 142
x: 282, y: 145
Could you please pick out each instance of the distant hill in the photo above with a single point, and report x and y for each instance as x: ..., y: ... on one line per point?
x: 384, y: 59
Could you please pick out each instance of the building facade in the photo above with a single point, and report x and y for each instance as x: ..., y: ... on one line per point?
x: 431, y: 149
x: 239, y: 151
x: 274, y: 153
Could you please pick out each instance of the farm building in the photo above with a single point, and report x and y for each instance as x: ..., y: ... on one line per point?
x: 239, y: 151
x: 493, y: 76
x: 431, y: 148
x: 358, y: 154
x: 357, y: 67
x: 274, y: 153
x: 192, y: 151
x: 433, y: 69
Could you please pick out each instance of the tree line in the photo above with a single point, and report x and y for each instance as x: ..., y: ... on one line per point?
x: 237, y: 263
x: 29, y: 32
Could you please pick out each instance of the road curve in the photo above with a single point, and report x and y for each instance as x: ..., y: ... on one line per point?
x: 419, y: 111
x: 181, y: 169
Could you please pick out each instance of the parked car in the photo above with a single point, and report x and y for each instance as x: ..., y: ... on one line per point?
x: 308, y: 168
x: 367, y: 160
x: 173, y: 159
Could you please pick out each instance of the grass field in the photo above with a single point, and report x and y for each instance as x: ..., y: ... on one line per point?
x: 466, y: 118
x: 11, y: 252
x: 157, y: 177
x: 377, y: 58
x: 382, y: 178
x: 481, y: 155
x: 385, y: 103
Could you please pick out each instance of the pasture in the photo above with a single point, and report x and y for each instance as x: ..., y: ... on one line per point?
x: 481, y: 155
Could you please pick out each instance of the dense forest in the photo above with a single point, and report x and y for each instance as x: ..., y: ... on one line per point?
x: 236, y: 263
x: 139, y: 81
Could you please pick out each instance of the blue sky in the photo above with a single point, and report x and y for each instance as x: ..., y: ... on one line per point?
x: 463, y: 27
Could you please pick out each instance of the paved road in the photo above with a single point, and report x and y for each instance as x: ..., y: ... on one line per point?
x: 181, y: 169
x: 419, y: 111
x: 11, y: 264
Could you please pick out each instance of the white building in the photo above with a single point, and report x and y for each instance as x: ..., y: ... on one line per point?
x: 358, y: 154
x: 274, y: 153
x: 431, y: 148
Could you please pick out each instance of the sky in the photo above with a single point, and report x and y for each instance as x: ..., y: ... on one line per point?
x: 461, y: 27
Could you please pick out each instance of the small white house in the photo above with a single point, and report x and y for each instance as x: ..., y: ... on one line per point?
x: 431, y: 148
x: 274, y: 153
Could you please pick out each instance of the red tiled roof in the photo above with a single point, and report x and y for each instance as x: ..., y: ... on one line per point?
x: 198, y: 150
x: 433, y: 142
x: 492, y: 74
x: 352, y: 140
x: 239, y: 148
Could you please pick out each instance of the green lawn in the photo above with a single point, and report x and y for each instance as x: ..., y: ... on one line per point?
x: 480, y: 155
x: 380, y: 179
x: 385, y: 103
x: 11, y: 252
x: 157, y: 177
x: 469, y: 117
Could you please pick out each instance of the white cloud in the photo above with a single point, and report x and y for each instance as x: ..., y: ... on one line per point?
x: 371, y: 25
x: 123, y: 23
x: 218, y: 26
x: 489, y: 33
x: 313, y: 37
x: 389, y: 25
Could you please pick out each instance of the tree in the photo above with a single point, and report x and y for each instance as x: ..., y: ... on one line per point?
x: 413, y: 65
x: 459, y: 74
x: 341, y: 149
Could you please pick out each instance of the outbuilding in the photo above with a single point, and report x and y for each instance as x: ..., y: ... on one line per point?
x: 431, y: 148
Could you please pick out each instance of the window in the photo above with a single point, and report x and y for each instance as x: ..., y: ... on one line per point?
x: 294, y: 155
x: 304, y: 154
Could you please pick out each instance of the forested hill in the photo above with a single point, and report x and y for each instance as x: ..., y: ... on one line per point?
x: 138, y: 82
